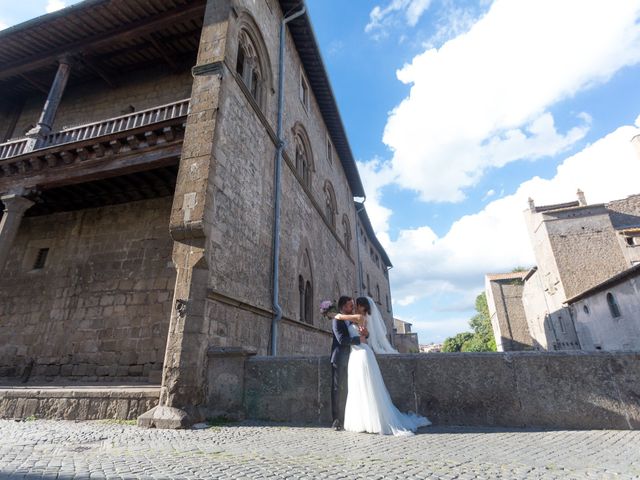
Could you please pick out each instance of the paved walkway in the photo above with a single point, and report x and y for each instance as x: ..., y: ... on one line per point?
x: 67, y: 450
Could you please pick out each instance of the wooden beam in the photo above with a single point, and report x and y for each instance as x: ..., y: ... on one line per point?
x: 101, y: 72
x: 37, y: 85
x: 126, y: 32
x: 163, y: 51
x: 97, y: 169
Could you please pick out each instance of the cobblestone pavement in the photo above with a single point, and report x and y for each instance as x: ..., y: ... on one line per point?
x: 58, y: 449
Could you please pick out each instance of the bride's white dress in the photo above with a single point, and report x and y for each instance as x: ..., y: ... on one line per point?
x: 369, y: 407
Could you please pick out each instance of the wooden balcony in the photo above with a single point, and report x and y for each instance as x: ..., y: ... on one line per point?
x: 130, y: 121
x: 142, y: 140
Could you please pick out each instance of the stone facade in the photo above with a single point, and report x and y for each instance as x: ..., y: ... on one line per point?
x: 509, y: 322
x: 577, y: 247
x: 607, y: 317
x: 98, y: 306
x: 143, y: 287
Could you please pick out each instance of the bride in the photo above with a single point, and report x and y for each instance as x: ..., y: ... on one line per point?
x: 369, y: 407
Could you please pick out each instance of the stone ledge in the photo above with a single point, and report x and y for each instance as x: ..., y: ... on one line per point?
x: 85, y: 402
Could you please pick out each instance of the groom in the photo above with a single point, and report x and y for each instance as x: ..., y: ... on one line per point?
x: 340, y: 350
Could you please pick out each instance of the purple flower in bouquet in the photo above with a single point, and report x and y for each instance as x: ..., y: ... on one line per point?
x: 327, y: 306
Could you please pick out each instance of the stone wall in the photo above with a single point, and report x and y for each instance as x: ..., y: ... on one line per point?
x: 523, y: 389
x: 508, y: 318
x: 99, y: 309
x: 95, y: 101
x: 76, y: 403
x: 585, y: 248
x: 625, y: 213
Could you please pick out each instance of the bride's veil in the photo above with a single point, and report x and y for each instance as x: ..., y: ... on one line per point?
x: 378, y: 331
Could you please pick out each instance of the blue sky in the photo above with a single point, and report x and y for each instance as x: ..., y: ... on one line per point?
x: 457, y: 112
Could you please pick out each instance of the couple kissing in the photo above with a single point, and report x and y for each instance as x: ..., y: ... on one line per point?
x: 360, y: 401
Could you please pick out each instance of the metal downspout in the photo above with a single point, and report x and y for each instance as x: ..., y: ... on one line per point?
x: 277, y: 186
x: 360, y: 274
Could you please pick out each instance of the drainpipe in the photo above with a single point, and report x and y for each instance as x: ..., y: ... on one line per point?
x: 277, y: 185
x: 360, y: 274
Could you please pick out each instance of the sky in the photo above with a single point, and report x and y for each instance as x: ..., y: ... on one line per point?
x: 457, y: 112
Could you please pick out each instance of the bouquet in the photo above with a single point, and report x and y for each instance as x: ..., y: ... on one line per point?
x: 327, y: 306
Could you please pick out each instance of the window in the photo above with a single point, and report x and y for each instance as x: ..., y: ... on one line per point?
x: 41, y: 259
x: 308, y: 303
x: 561, y: 323
x: 248, y: 66
x: 302, y: 162
x: 329, y: 151
x: 347, y: 233
x: 586, y: 309
x: 301, y: 310
x: 613, y: 305
x: 378, y: 293
x: 368, y: 285
x: 303, y: 156
x: 330, y: 204
x: 304, y: 91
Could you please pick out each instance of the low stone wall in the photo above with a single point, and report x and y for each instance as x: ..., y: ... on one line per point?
x: 519, y: 389
x: 77, y: 402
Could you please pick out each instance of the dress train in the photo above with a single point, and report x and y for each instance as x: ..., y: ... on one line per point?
x: 369, y: 407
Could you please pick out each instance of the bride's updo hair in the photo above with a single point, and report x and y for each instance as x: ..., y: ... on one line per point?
x: 364, y: 302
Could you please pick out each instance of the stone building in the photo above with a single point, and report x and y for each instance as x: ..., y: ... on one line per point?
x: 177, y: 183
x: 404, y: 340
x: 577, y: 247
x: 607, y: 316
x: 509, y: 322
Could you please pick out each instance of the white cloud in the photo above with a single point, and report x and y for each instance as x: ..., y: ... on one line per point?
x: 382, y: 18
x: 376, y: 175
x: 53, y: 5
x: 495, y: 238
x: 482, y: 100
x: 489, y: 194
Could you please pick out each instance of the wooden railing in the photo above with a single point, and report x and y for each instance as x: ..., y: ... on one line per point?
x: 12, y: 148
x: 104, y: 127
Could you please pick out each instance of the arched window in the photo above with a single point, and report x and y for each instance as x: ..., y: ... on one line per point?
x: 308, y: 303
x: 330, y: 204
x: 302, y: 161
x: 377, y: 293
x: 347, y: 233
x: 301, y: 297
x: 303, y: 156
x: 253, y: 65
x: 248, y: 66
x: 305, y: 287
x: 613, y: 305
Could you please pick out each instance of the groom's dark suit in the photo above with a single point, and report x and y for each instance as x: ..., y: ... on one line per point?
x: 340, y: 350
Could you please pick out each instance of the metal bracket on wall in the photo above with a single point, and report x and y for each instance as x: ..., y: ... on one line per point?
x: 181, y: 307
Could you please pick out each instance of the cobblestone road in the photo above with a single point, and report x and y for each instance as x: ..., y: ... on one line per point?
x: 66, y: 450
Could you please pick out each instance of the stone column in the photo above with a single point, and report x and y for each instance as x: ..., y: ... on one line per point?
x: 183, y: 392
x: 48, y: 115
x: 14, y: 208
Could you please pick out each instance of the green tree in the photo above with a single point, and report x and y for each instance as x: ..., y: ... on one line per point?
x: 454, y: 344
x: 481, y: 339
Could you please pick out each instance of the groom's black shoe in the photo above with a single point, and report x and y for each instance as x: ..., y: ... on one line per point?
x: 337, y: 426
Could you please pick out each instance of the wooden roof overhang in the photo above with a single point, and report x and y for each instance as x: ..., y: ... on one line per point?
x: 104, y: 38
